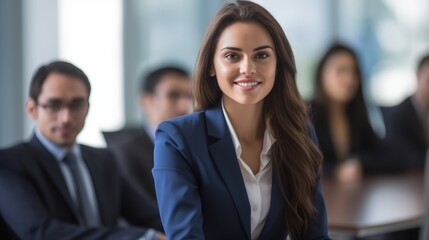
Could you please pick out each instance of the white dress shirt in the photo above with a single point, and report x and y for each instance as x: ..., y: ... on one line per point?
x: 258, y: 187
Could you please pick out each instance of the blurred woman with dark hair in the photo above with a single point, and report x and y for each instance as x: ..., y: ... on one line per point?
x: 339, y: 115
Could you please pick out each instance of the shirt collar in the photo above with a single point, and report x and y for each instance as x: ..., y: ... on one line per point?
x: 57, y: 151
x: 268, y: 141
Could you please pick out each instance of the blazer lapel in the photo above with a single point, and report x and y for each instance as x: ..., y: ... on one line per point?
x: 52, y: 169
x: 223, y: 155
x: 276, y: 211
x: 98, y: 185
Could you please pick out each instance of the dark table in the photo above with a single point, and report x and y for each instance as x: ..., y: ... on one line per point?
x: 377, y: 204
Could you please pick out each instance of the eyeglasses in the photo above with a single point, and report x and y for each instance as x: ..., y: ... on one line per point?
x: 74, y: 107
x: 175, y: 95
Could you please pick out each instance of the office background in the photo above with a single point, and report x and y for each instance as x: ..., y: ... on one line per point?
x: 116, y: 41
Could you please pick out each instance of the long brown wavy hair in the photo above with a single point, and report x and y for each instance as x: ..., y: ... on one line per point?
x: 296, y: 159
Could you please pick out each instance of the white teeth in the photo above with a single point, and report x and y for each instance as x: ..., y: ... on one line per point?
x: 247, y: 84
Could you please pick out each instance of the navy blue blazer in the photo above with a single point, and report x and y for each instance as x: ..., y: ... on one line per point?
x: 200, y: 189
x: 35, y: 202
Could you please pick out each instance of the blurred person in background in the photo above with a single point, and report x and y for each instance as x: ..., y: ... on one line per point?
x: 407, y: 123
x: 424, y: 231
x: 51, y: 187
x: 165, y: 93
x: 339, y: 115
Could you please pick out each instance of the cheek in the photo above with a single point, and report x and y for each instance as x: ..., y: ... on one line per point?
x: 222, y: 83
x: 82, y: 119
x: 328, y: 80
x: 224, y: 75
x: 426, y: 85
x: 272, y: 73
x: 222, y: 72
x: 355, y: 86
x: 426, y: 89
x: 223, y: 69
x: 270, y: 79
x: 329, y: 85
x: 164, y: 106
x: 46, y: 126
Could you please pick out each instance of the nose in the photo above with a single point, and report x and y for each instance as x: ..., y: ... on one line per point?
x: 64, y: 115
x: 247, y: 66
x: 184, y: 105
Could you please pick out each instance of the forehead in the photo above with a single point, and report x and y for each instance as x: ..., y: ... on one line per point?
x: 60, y: 86
x: 245, y: 35
x: 173, y: 80
x: 341, y: 57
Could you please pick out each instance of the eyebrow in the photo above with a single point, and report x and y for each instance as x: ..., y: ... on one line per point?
x: 239, y: 49
x: 58, y: 100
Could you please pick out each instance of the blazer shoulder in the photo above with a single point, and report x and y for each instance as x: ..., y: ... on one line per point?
x: 15, y: 149
x: 96, y: 150
x: 104, y: 154
x: 12, y: 156
x: 187, y: 133
x: 139, y: 140
x: 184, y: 123
x: 116, y: 138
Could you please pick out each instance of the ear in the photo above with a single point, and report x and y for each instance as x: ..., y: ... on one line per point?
x: 31, y: 107
x: 145, y: 100
x: 212, y: 72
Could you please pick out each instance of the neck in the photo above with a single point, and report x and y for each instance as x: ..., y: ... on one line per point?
x: 335, y: 108
x: 152, y: 123
x: 248, y: 120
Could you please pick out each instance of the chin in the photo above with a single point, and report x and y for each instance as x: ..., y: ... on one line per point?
x: 65, y: 142
x: 249, y: 101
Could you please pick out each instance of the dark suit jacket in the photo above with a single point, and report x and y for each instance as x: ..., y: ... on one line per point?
x: 405, y: 135
x: 133, y: 149
x: 200, y: 188
x: 365, y: 144
x: 424, y: 230
x: 35, y: 202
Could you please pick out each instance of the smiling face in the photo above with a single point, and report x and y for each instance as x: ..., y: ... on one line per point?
x: 245, y: 63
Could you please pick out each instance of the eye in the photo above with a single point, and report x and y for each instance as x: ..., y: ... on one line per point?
x: 78, y: 105
x: 54, y: 106
x: 262, y: 55
x: 232, y: 56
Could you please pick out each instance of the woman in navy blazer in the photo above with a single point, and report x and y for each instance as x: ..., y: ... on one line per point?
x: 246, y: 164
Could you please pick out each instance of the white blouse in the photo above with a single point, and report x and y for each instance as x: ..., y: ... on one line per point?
x: 258, y: 187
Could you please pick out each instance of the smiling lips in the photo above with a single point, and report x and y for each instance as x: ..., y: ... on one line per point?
x: 247, y: 85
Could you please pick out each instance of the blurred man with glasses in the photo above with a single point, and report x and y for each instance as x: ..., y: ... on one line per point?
x: 54, y: 188
x: 165, y: 93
